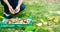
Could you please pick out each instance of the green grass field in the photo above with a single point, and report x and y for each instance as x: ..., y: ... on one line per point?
x: 38, y: 9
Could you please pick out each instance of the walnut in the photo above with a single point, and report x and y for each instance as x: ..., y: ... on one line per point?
x: 25, y: 21
x: 17, y: 20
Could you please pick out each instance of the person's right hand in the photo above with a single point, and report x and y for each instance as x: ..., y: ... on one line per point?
x: 12, y: 11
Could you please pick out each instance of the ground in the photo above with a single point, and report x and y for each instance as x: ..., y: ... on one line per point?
x: 38, y: 9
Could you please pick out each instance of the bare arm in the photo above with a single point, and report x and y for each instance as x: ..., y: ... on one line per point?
x: 7, y: 3
x: 19, y: 3
x: 17, y: 9
x: 9, y: 7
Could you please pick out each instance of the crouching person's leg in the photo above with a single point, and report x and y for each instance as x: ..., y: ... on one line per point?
x: 7, y: 13
x: 6, y: 10
x: 22, y: 7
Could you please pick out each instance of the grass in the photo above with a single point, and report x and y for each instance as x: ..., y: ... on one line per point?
x: 37, y: 10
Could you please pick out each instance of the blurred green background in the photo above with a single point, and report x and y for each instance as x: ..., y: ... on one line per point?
x: 37, y: 9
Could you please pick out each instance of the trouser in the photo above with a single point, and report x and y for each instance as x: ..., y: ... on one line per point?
x: 13, y: 3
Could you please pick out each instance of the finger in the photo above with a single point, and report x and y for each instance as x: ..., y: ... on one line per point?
x: 16, y: 10
x: 12, y: 12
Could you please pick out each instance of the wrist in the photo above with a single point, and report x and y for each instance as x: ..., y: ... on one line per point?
x: 9, y: 6
x: 17, y: 6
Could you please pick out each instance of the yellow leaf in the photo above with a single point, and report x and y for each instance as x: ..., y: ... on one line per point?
x: 49, y: 18
x: 56, y: 20
x: 41, y: 20
x: 52, y: 16
x: 44, y: 23
x: 1, y: 16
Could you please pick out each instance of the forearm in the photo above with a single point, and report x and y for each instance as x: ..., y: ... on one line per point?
x: 19, y: 3
x: 7, y: 3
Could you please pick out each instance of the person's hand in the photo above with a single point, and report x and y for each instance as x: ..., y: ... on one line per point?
x: 17, y: 9
x: 12, y: 11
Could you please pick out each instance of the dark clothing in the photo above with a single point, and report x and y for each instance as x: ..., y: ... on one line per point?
x: 13, y: 3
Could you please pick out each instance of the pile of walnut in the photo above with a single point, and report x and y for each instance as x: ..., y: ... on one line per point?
x: 17, y: 21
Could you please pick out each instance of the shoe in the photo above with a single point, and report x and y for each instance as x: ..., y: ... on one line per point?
x: 8, y: 17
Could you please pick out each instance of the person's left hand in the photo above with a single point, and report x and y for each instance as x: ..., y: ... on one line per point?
x: 17, y: 9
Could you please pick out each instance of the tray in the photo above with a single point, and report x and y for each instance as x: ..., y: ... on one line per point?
x: 3, y: 25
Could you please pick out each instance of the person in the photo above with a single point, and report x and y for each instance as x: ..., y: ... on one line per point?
x: 12, y: 7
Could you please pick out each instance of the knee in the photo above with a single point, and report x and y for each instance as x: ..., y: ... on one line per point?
x: 22, y: 7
